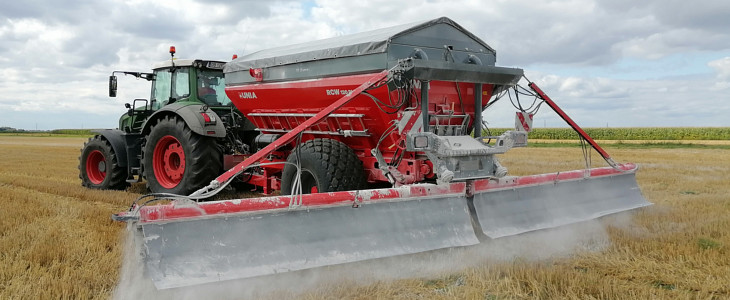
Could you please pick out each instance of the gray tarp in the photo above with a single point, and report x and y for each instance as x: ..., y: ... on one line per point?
x: 366, y: 43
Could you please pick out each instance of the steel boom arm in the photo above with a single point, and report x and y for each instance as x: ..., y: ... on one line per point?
x: 570, y: 122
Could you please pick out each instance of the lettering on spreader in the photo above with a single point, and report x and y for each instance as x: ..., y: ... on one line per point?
x: 337, y: 92
x: 247, y: 95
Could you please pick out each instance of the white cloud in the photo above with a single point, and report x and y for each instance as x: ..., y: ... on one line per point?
x: 56, y: 58
x: 722, y: 69
x: 592, y: 88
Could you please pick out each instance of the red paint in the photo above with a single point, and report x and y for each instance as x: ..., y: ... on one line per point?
x: 315, y: 95
x: 206, y: 117
x: 175, y: 211
x: 524, y: 122
x: 93, y: 161
x: 168, y: 162
x: 342, y: 95
x: 291, y: 135
x: 312, y: 96
x: 482, y: 185
x: 257, y: 74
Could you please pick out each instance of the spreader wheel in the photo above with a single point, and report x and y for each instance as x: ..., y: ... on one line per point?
x: 177, y: 160
x: 327, y: 166
x: 98, y: 167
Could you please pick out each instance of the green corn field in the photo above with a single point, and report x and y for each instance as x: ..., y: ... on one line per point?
x: 628, y: 133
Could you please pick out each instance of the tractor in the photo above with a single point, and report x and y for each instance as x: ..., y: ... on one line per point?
x: 177, y: 139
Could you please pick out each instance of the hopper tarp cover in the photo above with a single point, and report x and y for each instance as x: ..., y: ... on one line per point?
x: 365, y: 52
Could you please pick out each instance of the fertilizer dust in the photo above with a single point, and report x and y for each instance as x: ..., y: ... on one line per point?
x: 533, y: 246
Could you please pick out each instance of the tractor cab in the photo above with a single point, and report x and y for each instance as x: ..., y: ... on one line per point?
x: 187, y: 80
x: 183, y: 81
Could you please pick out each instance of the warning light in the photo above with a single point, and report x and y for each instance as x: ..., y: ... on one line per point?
x: 234, y: 56
x: 172, y: 50
x: 257, y: 74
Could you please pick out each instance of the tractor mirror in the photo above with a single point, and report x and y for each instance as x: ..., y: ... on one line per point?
x: 112, y: 86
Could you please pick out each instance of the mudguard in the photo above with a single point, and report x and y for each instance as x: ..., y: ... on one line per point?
x: 193, y: 115
x: 116, y: 139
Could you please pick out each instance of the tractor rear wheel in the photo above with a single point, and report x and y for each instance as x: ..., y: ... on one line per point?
x: 98, y: 166
x: 178, y: 161
x: 327, y: 166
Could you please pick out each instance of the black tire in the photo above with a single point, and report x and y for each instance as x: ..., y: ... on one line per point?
x: 169, y: 169
x: 98, y: 167
x: 327, y: 164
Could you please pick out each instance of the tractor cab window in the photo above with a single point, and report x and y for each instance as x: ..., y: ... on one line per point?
x: 161, y: 88
x: 211, y: 88
x: 170, y: 85
x: 181, y: 84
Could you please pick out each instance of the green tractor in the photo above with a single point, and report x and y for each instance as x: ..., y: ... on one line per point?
x: 177, y: 139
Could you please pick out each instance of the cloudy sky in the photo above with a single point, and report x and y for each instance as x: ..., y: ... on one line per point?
x: 607, y: 62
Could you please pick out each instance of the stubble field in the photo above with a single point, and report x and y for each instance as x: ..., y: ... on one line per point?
x: 57, y: 240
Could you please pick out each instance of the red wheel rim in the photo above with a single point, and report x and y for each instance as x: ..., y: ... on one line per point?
x: 168, y: 162
x: 96, y: 167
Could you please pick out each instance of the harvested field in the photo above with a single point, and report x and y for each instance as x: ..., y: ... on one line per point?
x: 57, y: 240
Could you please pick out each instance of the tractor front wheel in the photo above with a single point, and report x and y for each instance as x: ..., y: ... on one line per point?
x: 327, y: 166
x: 98, y: 167
x: 177, y: 160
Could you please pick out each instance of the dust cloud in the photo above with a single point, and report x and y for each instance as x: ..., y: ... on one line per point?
x: 539, y: 245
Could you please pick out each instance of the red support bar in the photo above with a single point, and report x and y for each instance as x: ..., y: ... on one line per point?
x: 570, y: 122
x: 291, y: 135
x: 483, y: 185
x: 179, y: 210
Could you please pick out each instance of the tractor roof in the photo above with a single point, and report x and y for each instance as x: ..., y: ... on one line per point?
x: 210, y: 64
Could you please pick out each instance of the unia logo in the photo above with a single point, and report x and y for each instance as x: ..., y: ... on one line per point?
x: 247, y: 95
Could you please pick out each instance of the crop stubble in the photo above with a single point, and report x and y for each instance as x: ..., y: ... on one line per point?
x: 57, y: 241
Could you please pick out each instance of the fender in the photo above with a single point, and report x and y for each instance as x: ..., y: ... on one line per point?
x: 116, y: 139
x: 193, y: 117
